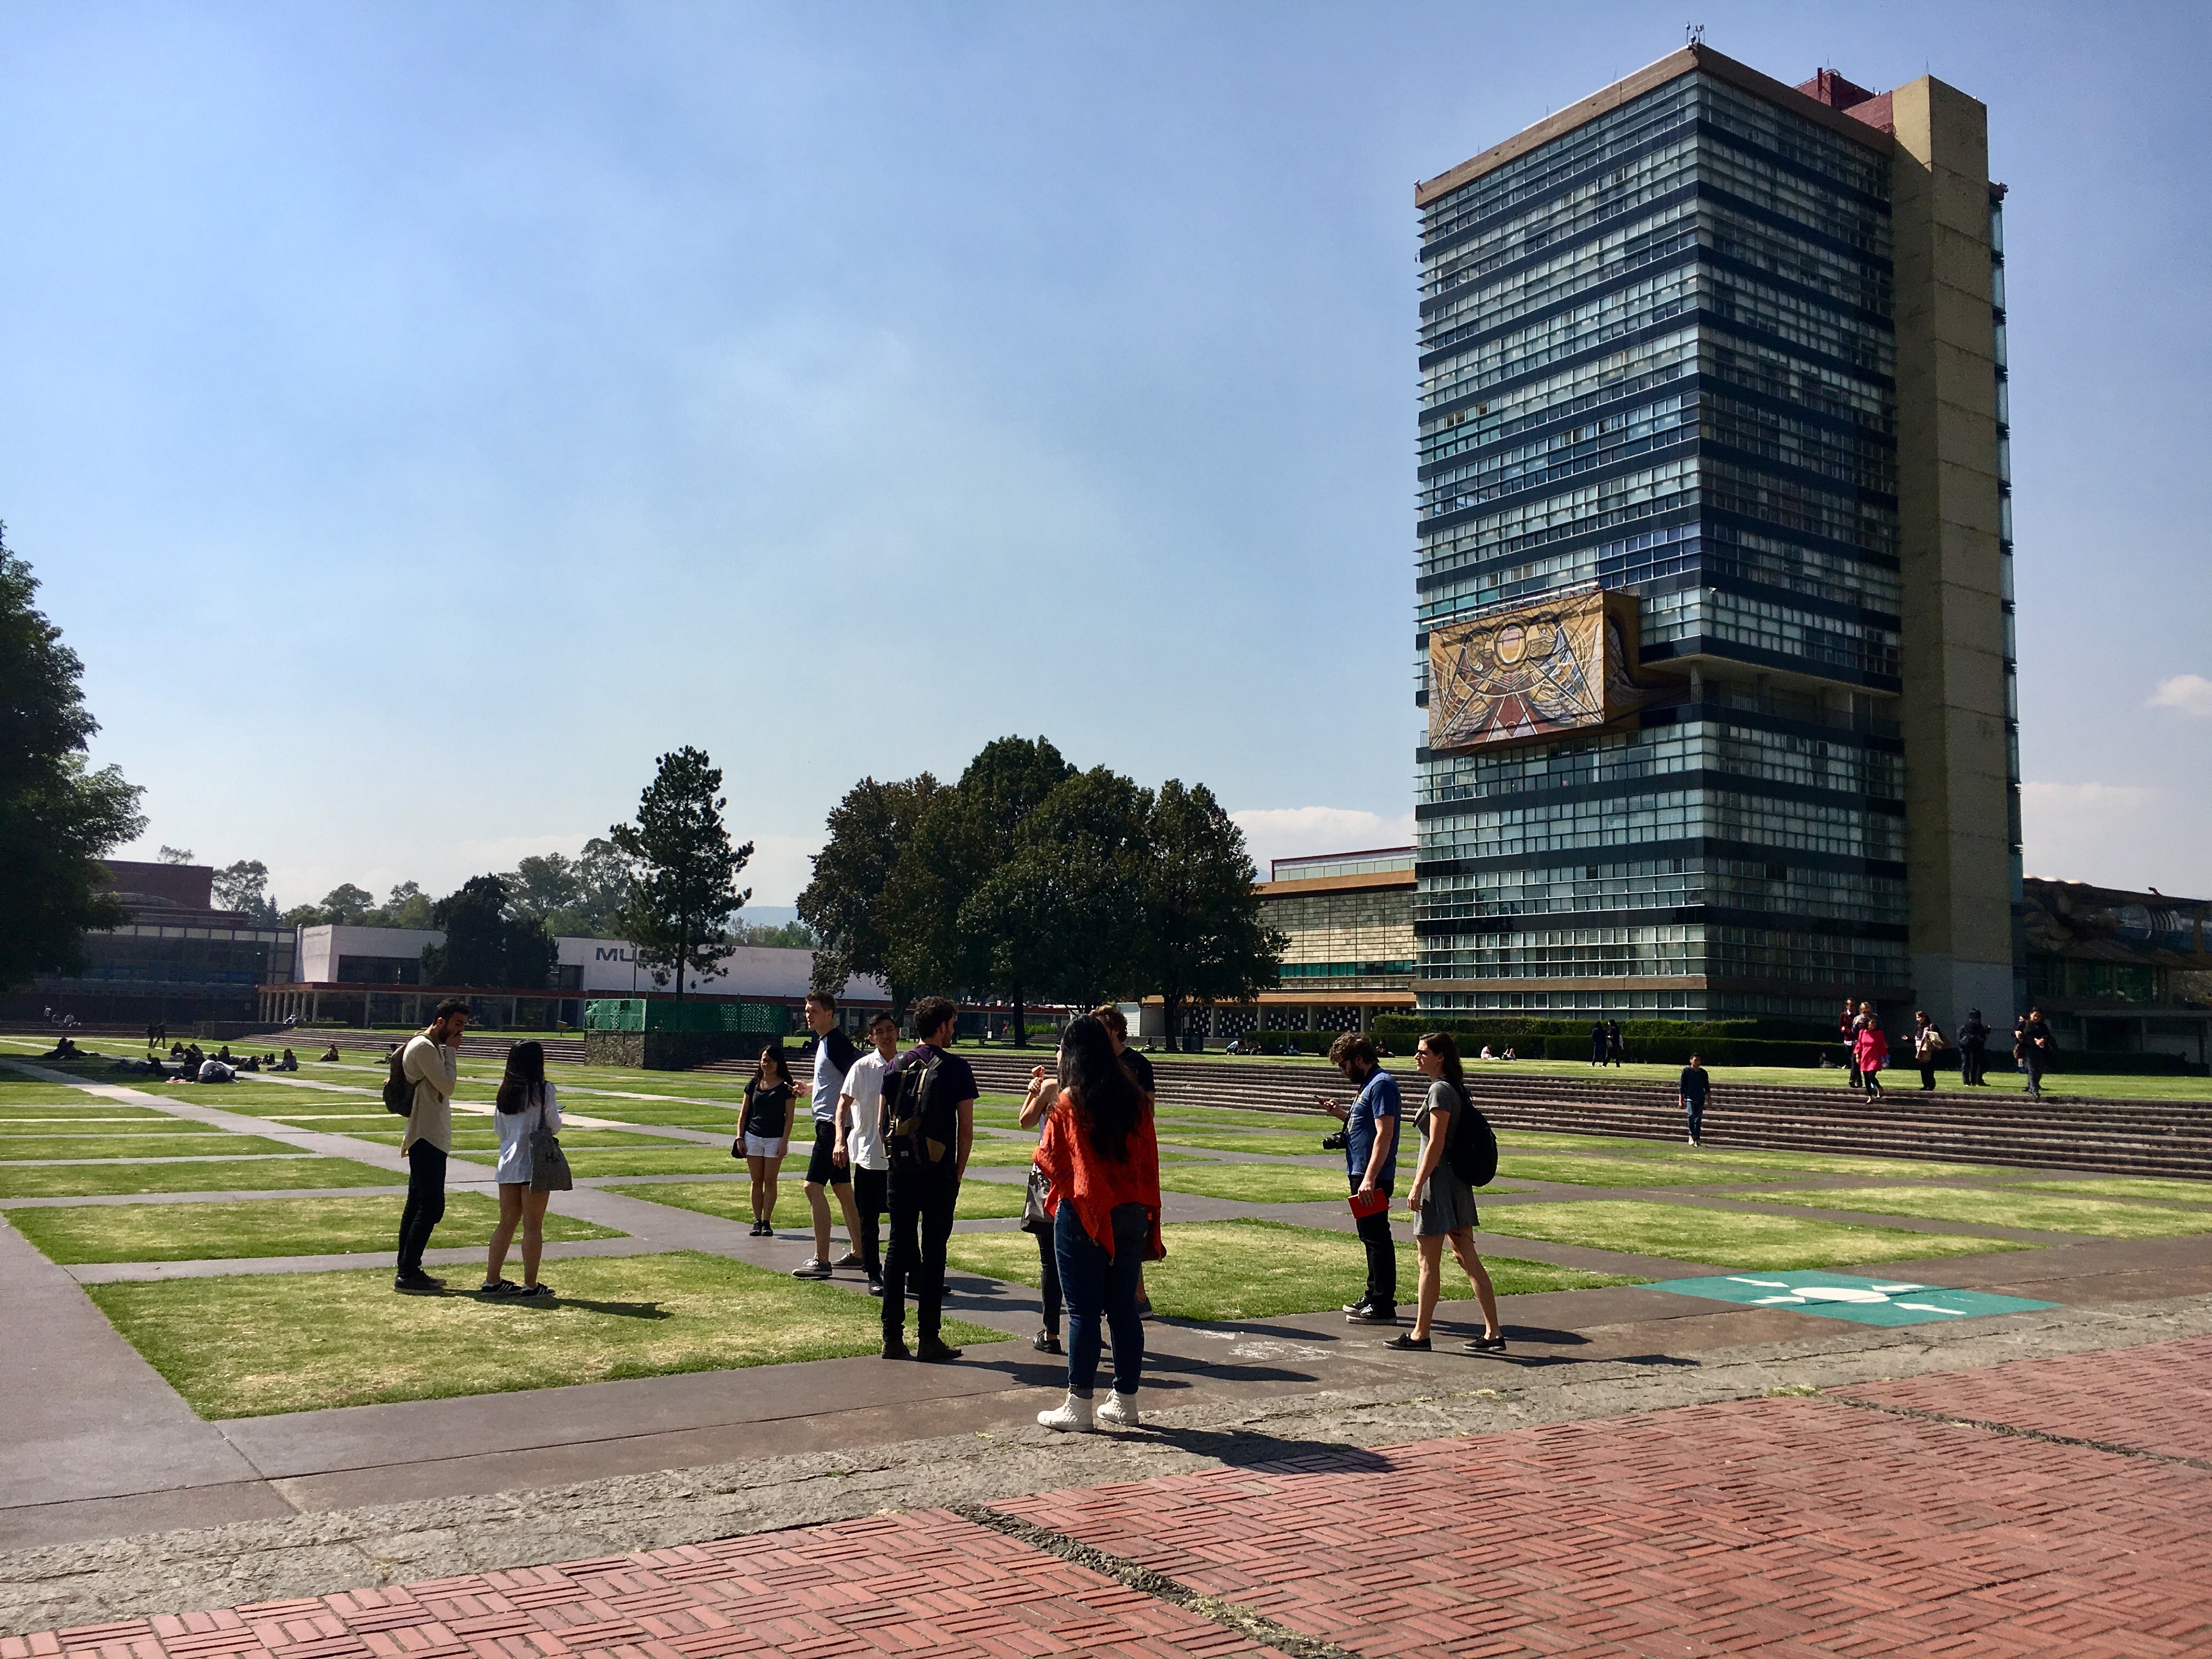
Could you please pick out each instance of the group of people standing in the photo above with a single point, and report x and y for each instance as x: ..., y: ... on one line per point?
x: 1867, y: 1050
x: 1608, y: 1046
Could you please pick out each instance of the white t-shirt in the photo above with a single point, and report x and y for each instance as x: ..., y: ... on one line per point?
x: 864, y: 1139
x: 515, y: 1129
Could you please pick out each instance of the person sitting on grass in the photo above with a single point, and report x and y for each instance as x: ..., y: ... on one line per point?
x: 212, y: 1070
x: 289, y: 1063
x: 330, y: 1053
x: 525, y: 1103
x: 1444, y: 1202
x: 765, y: 1118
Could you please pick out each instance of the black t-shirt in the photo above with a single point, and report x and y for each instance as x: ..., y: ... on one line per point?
x: 766, y: 1110
x: 1139, y: 1068
x: 1695, y: 1083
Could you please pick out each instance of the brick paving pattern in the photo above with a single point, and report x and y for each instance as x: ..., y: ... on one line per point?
x: 1791, y: 1528
x: 2166, y: 1405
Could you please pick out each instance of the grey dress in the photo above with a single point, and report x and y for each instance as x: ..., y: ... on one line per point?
x: 1448, y: 1204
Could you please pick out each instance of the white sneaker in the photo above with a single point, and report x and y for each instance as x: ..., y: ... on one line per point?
x: 1071, y: 1416
x: 1118, y: 1411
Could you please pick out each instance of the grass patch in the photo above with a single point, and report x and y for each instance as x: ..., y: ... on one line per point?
x: 245, y: 1345
x: 640, y: 1160
x: 1726, y: 1237
x: 269, y: 1226
x: 76, y: 1110
x: 2097, y: 1217
x: 1259, y: 1183
x: 22, y: 1148
x: 1248, y: 1269
x: 1306, y: 1145
x: 1620, y: 1171
x: 2173, y: 1192
x: 980, y: 1200
x: 219, y: 1175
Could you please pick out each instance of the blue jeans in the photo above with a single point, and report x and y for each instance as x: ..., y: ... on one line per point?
x: 1695, y: 1106
x: 1093, y: 1285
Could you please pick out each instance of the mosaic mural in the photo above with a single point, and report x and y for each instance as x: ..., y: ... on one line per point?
x: 1556, y: 665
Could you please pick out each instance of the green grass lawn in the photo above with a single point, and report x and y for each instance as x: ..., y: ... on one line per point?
x: 43, y: 1148
x: 269, y: 1226
x: 588, y: 1161
x: 1258, y: 1184
x: 1682, y: 1232
x: 1620, y: 1171
x: 218, y: 1176
x: 980, y: 1200
x: 468, y: 1138
x: 1300, y: 1146
x: 2172, y: 1192
x: 91, y: 1124
x: 252, y: 1344
x: 1248, y: 1269
x: 77, y: 1110
x: 2098, y: 1218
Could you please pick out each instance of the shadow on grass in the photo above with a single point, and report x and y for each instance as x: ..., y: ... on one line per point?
x: 543, y: 1304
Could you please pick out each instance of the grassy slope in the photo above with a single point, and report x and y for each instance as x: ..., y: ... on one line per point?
x: 262, y: 1227
x: 1726, y: 1238
x: 2097, y: 1217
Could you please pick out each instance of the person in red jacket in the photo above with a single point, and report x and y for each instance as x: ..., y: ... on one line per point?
x: 1099, y: 1151
x: 1873, y: 1051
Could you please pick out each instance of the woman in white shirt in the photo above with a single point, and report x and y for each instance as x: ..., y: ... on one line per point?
x: 525, y: 1103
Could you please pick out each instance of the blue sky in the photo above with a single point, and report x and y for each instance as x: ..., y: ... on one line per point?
x: 422, y: 416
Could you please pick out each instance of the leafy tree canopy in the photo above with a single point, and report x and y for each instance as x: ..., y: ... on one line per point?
x: 844, y: 904
x: 684, y: 872
x: 484, y: 945
x: 244, y: 887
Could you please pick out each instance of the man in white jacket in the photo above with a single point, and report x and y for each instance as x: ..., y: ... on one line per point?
x: 431, y: 1061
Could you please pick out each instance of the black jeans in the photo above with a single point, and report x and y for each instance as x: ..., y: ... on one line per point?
x: 1048, y: 1260
x: 1972, y: 1057
x: 925, y: 1209
x: 1381, y: 1256
x: 426, y: 1203
x: 869, y: 1186
x: 1927, y: 1076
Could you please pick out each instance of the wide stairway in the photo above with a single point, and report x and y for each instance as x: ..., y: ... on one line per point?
x: 2118, y: 1137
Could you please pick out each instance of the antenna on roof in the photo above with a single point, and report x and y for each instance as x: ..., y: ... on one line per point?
x: 1693, y: 34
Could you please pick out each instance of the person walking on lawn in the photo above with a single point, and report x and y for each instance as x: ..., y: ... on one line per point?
x: 1600, y: 1042
x: 2034, y: 1045
x: 1444, y: 1201
x: 860, y: 1142
x: 1692, y: 1091
x: 1099, y: 1151
x: 431, y: 1062
x: 524, y: 1104
x: 834, y: 1055
x: 770, y: 1103
x: 1847, y: 1032
x: 1973, y: 1049
x: 929, y: 1128
x: 1371, y: 1157
x: 1928, y: 1042
x: 1873, y: 1048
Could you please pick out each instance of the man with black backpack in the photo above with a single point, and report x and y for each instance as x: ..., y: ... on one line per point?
x: 928, y: 1128
x: 423, y: 1076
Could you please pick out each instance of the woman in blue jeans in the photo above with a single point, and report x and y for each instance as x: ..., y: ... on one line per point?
x: 1099, y: 1151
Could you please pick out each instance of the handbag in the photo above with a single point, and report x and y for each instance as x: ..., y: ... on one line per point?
x: 548, y: 1165
x: 1036, y: 1219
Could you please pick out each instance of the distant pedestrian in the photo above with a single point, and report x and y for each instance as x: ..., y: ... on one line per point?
x: 1928, y: 1045
x: 431, y: 1062
x: 525, y: 1103
x: 1847, y: 1033
x: 1616, y: 1045
x: 764, y: 1118
x: 860, y: 1140
x: 834, y: 1055
x: 1973, y: 1049
x: 1692, y: 1091
x: 1370, y: 1156
x: 1444, y: 1201
x: 929, y: 1128
x: 1873, y: 1055
x: 1099, y: 1151
x: 1601, y: 1042
x: 2033, y: 1045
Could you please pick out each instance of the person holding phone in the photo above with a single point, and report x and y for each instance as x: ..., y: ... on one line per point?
x: 1371, y: 1157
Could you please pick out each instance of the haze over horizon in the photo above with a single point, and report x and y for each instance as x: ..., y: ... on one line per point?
x: 419, y: 420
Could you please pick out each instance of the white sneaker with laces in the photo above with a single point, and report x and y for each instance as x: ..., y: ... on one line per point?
x: 1118, y: 1411
x: 1071, y: 1416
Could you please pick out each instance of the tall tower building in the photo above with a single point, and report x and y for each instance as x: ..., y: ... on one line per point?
x: 1713, y: 581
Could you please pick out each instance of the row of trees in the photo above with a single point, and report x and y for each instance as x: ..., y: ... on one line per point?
x: 1030, y: 881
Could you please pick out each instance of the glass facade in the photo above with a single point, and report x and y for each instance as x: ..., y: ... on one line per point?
x: 1658, y: 354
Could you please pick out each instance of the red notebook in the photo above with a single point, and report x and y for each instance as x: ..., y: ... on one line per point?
x: 1366, y: 1203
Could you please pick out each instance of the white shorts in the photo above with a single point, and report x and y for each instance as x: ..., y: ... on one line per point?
x: 762, y: 1147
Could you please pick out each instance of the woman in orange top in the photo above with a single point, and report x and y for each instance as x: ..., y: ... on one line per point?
x: 1100, y: 1153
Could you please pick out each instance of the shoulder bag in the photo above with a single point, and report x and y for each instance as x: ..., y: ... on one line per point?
x: 548, y: 1165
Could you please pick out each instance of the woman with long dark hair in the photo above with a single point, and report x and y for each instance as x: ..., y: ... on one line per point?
x: 1444, y: 1202
x: 525, y: 1103
x: 1099, y: 1151
x: 765, y: 1121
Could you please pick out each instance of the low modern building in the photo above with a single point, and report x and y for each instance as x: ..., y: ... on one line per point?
x: 179, y: 960
x: 1349, y: 917
x: 2118, y: 971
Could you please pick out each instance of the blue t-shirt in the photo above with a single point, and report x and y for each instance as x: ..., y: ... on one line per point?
x: 1377, y: 1104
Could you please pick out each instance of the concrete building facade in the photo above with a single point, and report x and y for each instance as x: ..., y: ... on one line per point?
x: 1713, y: 577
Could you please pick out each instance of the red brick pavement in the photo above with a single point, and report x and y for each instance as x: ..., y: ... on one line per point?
x: 1792, y: 1527
x: 2163, y: 1404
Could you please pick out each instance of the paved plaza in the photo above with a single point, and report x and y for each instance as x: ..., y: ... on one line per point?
x: 1975, y: 1427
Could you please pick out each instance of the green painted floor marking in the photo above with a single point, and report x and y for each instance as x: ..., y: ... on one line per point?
x: 1845, y: 1296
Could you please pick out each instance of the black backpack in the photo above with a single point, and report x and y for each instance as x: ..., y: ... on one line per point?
x: 1472, y: 1149
x: 399, y: 1092
x: 920, y: 1128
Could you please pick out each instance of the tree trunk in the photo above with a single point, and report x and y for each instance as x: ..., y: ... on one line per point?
x: 1171, y: 1010
x: 1021, y: 1021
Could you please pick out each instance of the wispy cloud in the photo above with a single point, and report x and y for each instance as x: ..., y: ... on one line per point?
x: 1287, y: 832
x: 2189, y: 693
x: 2088, y: 831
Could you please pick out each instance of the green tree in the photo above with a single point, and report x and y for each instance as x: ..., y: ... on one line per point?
x: 781, y: 936
x: 58, y: 817
x: 408, y: 906
x: 684, y: 886
x: 347, y: 906
x: 844, y: 904
x: 485, y: 945
x: 1199, y: 935
x: 244, y: 887
x: 541, y: 885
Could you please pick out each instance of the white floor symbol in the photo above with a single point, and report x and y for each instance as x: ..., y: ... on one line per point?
x: 1799, y: 1295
